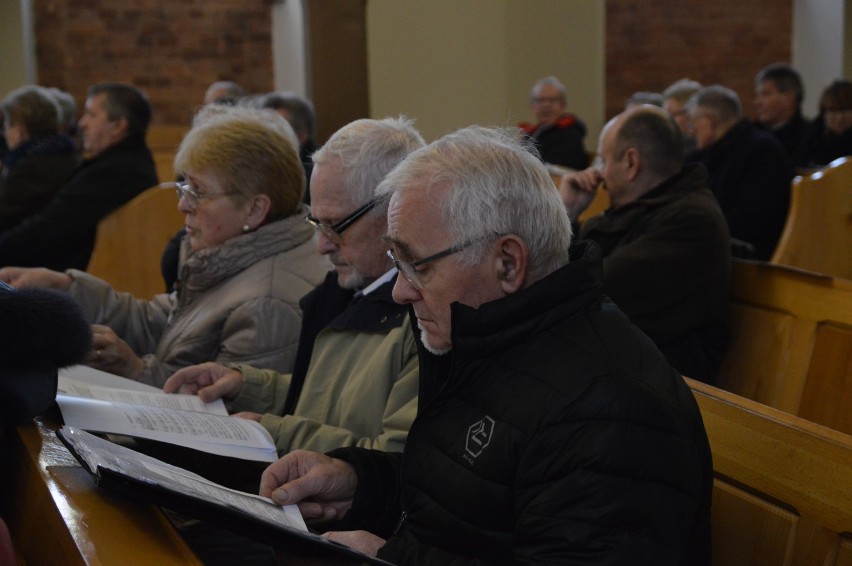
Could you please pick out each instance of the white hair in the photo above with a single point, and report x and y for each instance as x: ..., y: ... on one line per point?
x: 368, y: 149
x: 497, y: 186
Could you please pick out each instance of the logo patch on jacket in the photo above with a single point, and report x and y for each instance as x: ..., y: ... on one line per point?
x: 478, y: 438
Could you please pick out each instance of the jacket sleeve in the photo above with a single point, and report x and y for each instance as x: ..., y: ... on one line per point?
x: 398, y: 411
x: 138, y: 322
x: 375, y: 507
x: 262, y: 332
x: 71, y: 218
x: 264, y: 391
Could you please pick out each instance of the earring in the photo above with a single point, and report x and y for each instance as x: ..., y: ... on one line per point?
x: 246, y: 228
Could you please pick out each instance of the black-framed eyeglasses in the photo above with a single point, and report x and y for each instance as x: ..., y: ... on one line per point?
x: 409, y: 268
x: 333, y: 231
x: 192, y: 197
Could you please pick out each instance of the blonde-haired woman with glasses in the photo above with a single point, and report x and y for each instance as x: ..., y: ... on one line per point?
x: 247, y: 259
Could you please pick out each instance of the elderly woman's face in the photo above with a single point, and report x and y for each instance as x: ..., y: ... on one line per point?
x: 214, y: 217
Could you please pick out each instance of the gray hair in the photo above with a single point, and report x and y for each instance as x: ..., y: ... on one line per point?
x: 718, y: 100
x: 301, y: 110
x: 552, y: 81
x: 682, y: 90
x: 497, y: 186
x: 34, y: 108
x: 229, y: 92
x: 368, y: 149
x: 67, y: 106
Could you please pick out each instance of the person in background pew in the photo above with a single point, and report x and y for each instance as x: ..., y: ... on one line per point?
x: 246, y: 261
x: 675, y: 98
x: 750, y: 173
x: 831, y: 134
x: 299, y: 112
x: 41, y: 157
x: 223, y: 92
x: 665, y: 244
x: 117, y: 166
x: 550, y: 430
x: 778, y: 97
x: 558, y: 134
x: 67, y: 111
x: 643, y: 97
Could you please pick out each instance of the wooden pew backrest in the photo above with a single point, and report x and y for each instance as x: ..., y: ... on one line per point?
x: 163, y: 141
x: 791, y: 343
x: 783, y: 485
x: 130, y: 242
x: 818, y: 232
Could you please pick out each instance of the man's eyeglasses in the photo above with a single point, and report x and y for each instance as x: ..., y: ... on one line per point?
x: 192, y: 197
x: 409, y: 268
x: 333, y: 231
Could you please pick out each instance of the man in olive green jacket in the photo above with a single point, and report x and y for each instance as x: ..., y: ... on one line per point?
x: 355, y: 379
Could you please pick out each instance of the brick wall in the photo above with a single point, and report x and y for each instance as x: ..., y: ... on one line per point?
x: 652, y: 43
x: 173, y: 50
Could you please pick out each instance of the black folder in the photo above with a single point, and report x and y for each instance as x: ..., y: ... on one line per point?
x: 147, y: 479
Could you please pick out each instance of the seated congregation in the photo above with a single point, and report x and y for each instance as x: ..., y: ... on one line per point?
x: 470, y: 368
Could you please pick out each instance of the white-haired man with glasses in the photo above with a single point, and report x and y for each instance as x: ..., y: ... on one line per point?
x: 355, y: 378
x: 550, y: 429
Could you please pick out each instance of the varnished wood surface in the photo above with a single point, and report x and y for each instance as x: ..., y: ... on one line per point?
x: 791, y: 342
x: 818, y: 233
x: 57, y: 515
x: 783, y: 488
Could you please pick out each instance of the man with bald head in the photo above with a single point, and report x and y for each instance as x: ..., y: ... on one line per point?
x: 664, y: 239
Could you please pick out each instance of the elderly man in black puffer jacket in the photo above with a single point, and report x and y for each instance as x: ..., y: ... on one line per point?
x: 550, y: 429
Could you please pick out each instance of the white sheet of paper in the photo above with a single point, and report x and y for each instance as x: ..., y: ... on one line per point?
x: 226, y: 436
x: 157, y: 398
x: 94, y: 376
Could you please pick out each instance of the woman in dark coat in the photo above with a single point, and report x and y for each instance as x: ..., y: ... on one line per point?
x: 39, y: 159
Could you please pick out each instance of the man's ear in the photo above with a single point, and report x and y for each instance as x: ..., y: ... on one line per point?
x: 511, y: 263
x: 634, y: 162
x: 120, y: 128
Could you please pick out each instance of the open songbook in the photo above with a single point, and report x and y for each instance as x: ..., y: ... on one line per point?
x: 98, y: 401
x: 142, y: 477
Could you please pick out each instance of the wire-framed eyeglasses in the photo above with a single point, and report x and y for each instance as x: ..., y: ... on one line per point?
x: 408, y: 269
x: 193, y: 197
x: 334, y: 231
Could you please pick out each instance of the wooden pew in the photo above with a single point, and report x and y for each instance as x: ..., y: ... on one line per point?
x: 791, y: 344
x: 163, y: 141
x: 818, y: 233
x: 782, y: 493
x: 57, y: 515
x: 130, y: 242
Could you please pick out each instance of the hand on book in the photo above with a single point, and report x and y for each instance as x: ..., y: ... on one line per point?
x: 322, y: 487
x: 210, y: 381
x: 111, y: 354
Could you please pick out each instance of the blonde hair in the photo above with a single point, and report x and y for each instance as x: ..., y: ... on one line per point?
x: 250, y: 154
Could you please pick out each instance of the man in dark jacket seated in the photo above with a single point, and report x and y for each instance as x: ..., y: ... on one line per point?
x: 550, y: 429
x: 750, y: 173
x: 558, y: 134
x: 117, y: 166
x: 664, y: 240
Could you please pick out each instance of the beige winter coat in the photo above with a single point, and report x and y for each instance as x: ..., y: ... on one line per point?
x: 237, y: 303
